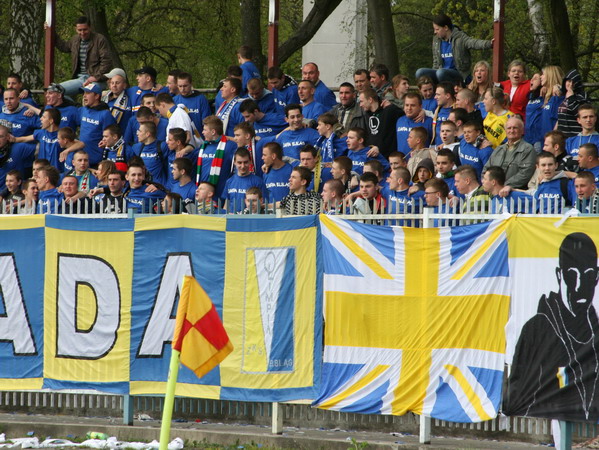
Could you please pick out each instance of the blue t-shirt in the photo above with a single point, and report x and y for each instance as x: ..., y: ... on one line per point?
x: 135, y: 94
x: 277, y: 182
x: 514, y: 203
x: 248, y: 71
x: 447, y: 55
x: 292, y: 140
x: 69, y: 115
x: 429, y: 104
x: 154, y: 159
x: 235, y: 190
x: 141, y: 201
x: 197, y: 107
x: 359, y: 157
x: 226, y: 168
x: 441, y: 117
x: 549, y: 114
x: 313, y: 110
x: 473, y: 156
x: 187, y: 191
x: 549, y: 195
x: 92, y: 122
x: 49, y: 147
x: 130, y: 135
x: 49, y: 201
x: 532, y: 127
x: 286, y: 96
x: 324, y: 96
x: 573, y: 143
x: 330, y: 148
x: 270, y: 125
x: 403, y: 127
x: 21, y: 125
x: 21, y: 157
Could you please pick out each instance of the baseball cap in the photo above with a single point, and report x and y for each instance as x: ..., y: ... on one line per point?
x: 147, y: 70
x: 115, y: 72
x: 92, y: 87
x: 55, y: 87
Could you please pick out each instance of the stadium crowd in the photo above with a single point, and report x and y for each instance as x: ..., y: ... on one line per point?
x: 457, y: 141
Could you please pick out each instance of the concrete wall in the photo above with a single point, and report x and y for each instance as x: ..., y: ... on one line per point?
x: 340, y: 46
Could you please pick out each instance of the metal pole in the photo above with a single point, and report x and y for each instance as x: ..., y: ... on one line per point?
x: 499, y: 39
x: 273, y: 33
x: 49, y: 48
x: 565, y: 438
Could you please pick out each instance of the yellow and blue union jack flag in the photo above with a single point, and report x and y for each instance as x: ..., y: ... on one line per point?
x: 414, y: 319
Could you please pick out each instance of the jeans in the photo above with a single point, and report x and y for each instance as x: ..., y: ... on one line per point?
x: 440, y: 75
x: 71, y: 87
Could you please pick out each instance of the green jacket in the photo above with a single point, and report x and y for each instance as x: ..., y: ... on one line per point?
x: 461, y: 44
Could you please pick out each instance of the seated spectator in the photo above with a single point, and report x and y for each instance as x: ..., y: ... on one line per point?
x: 105, y: 168
x: 472, y: 149
x: 370, y: 200
x: 74, y: 202
x: 300, y: 201
x: 424, y: 172
x: 552, y: 192
x: 172, y: 203
x: 12, y: 196
x: 451, y: 52
x: 205, y: 202
x: 444, y: 164
x: 276, y: 178
x: 184, y: 186
x: 31, y: 192
x: 516, y: 157
x: 587, y: 119
x: 497, y: 116
x: 332, y: 197
x: 238, y: 184
x: 91, y: 57
x: 475, y: 198
x: 588, y: 159
x: 397, y: 160
x: 47, y: 178
x: 398, y: 197
x: 517, y: 88
x: 515, y: 202
x: 137, y: 197
x: 342, y: 171
x: 436, y: 193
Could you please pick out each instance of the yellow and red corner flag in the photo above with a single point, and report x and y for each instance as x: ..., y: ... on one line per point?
x: 199, y: 333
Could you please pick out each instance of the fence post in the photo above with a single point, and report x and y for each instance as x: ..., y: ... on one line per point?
x: 425, y: 429
x: 565, y: 436
x: 277, y: 418
x: 128, y: 409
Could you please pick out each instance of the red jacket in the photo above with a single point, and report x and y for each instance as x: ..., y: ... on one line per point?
x: 520, y: 98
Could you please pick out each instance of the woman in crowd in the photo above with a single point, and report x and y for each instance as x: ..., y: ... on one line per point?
x: 552, y: 96
x: 481, y: 80
x: 105, y: 168
x: 517, y: 87
x: 497, y: 115
x: 534, y: 109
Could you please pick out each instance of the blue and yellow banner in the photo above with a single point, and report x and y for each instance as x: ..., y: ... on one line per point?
x: 90, y: 303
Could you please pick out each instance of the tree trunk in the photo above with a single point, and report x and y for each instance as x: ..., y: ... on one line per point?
x: 97, y: 17
x: 318, y: 14
x: 561, y: 28
x: 541, y: 38
x: 250, y: 30
x: 381, y: 24
x: 25, y: 40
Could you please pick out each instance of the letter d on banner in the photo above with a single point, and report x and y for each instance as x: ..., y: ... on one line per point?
x: 87, y: 285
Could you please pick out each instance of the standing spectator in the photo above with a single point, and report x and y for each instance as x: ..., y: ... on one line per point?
x: 177, y: 118
x: 228, y: 111
x: 146, y: 84
x: 54, y: 95
x: 451, y: 52
x: 348, y: 107
x: 445, y: 97
x: 311, y: 108
x: 195, y: 102
x: 90, y: 57
x: 534, y: 111
x: 575, y: 96
x: 282, y: 86
x: 552, y: 98
x: 322, y: 93
x: 379, y: 122
x: 240, y: 182
x: 14, y: 111
x: 248, y: 69
x: 497, y: 116
x: 276, y: 178
x: 296, y: 135
x: 300, y: 201
x: 330, y: 144
x: 117, y: 99
x: 517, y: 88
x: 184, y: 185
x: 94, y: 117
x: 152, y: 153
x: 481, y: 81
x: 413, y: 109
x: 361, y: 79
x: 379, y: 81
x: 47, y: 179
x: 587, y: 119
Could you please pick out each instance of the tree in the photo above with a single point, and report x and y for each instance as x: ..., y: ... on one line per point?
x: 561, y: 28
x: 541, y: 37
x: 381, y: 26
x: 25, y: 38
x: 250, y: 29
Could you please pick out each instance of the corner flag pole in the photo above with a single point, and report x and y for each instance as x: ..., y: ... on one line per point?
x: 169, y: 400
x: 49, y: 45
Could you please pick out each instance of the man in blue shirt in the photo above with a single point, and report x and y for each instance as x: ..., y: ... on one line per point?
x: 248, y: 69
x: 588, y: 159
x: 264, y: 98
x: 282, y: 86
x: 413, y: 109
x: 359, y: 153
x: 515, y: 202
x: 239, y: 183
x: 94, y: 117
x: 276, y: 178
x: 184, y: 185
x: 152, y: 152
x: 471, y: 150
x: 139, y: 197
x: 322, y: 94
x: 146, y: 84
x: 117, y: 99
x: 294, y: 138
x: 196, y: 103
x: 265, y: 124
x: 50, y: 199
x: 311, y: 108
x: 14, y: 113
x: 207, y: 161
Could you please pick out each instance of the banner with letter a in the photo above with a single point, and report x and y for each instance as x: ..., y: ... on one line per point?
x: 414, y: 319
x: 553, y: 332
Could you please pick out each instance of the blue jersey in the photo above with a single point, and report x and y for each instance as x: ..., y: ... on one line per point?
x: 324, y: 96
x: 573, y: 143
x: 154, y: 157
x: 441, y: 117
x: 69, y: 115
x: 514, y: 203
x: 403, y: 127
x: 197, y: 107
x: 49, y: 148
x: 234, y: 116
x: 248, y: 71
x: 287, y: 95
x: 49, y: 201
x: 532, y: 128
x: 429, y: 104
x: 330, y: 148
x: 549, y: 195
x: 20, y: 158
x: 268, y: 104
x: 313, y: 110
x: 473, y: 156
x: 130, y: 135
x: 20, y: 124
x: 451, y: 185
x: 549, y: 114
x: 235, y: 190
x: 292, y: 140
x: 187, y: 191
x: 270, y: 125
x: 207, y: 155
x: 447, y: 55
x: 359, y: 157
x: 141, y: 201
x: 277, y: 182
x: 92, y: 122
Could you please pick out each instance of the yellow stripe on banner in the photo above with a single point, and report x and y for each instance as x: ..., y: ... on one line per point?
x: 474, y: 399
x: 18, y: 384
x: 15, y: 222
x: 480, y: 251
x: 364, y: 381
x: 182, y: 389
x: 355, y: 248
x: 197, y: 222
